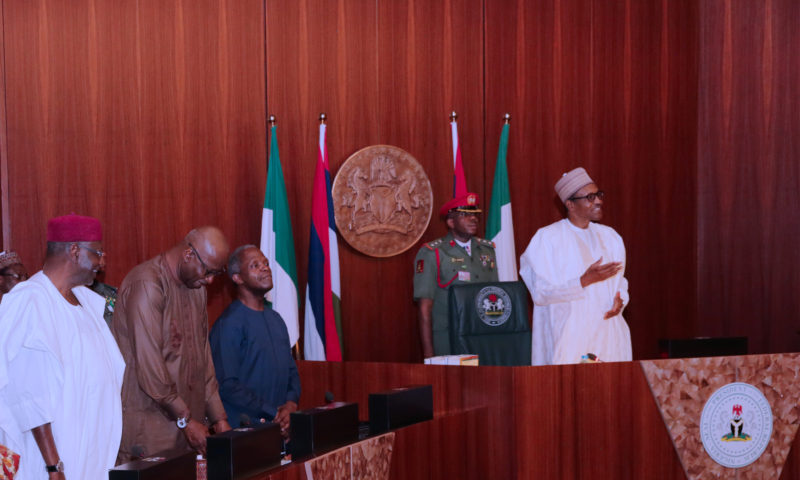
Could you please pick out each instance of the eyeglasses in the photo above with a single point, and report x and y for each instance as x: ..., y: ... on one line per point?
x: 99, y: 253
x: 208, y: 272
x: 591, y: 197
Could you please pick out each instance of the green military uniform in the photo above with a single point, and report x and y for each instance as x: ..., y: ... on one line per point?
x: 110, y: 294
x: 454, y: 267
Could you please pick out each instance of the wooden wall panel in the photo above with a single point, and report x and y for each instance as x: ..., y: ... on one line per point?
x: 5, y: 219
x: 148, y: 115
x: 749, y: 173
x: 384, y: 73
x: 322, y: 57
x: 429, y: 64
x: 151, y: 116
x: 609, y: 86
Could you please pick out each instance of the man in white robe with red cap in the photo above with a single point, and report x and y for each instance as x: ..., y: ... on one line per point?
x: 60, y: 368
x: 574, y: 269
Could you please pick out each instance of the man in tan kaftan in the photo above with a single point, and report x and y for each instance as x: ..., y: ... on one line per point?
x: 161, y: 325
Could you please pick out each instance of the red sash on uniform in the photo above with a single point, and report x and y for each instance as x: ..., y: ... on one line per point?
x: 438, y: 273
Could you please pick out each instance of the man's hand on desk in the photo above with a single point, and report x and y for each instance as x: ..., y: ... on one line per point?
x: 282, y: 417
x: 196, y: 434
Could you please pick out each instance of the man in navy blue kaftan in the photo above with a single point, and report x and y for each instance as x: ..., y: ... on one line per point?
x: 257, y: 375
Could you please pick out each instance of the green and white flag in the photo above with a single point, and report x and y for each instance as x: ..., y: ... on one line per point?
x: 499, y: 226
x: 277, y: 243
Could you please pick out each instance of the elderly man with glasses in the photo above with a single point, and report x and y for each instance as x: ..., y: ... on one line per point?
x: 161, y: 325
x: 574, y: 269
x: 60, y: 369
x: 455, y: 259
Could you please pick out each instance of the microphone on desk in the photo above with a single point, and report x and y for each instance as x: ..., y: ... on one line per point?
x: 328, y: 398
x: 137, y: 451
x: 244, y: 420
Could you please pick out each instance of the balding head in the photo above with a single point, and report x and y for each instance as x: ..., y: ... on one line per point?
x: 204, y: 253
x: 211, y: 243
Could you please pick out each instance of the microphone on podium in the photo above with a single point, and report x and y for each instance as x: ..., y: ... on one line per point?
x: 329, y: 398
x: 137, y: 451
x: 244, y: 420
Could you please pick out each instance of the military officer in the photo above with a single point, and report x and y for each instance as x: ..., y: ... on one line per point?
x: 110, y: 294
x: 457, y: 258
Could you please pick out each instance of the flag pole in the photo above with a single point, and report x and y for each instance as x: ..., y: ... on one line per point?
x: 323, y: 118
x: 506, y: 119
x: 459, y: 179
x: 272, y: 121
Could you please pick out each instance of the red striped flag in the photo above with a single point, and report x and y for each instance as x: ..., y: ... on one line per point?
x: 322, y: 336
x: 459, y: 181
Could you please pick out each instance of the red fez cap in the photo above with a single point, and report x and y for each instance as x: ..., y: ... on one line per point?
x: 74, y: 228
x: 464, y: 203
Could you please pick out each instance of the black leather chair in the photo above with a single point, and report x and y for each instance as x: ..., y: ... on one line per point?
x: 491, y: 320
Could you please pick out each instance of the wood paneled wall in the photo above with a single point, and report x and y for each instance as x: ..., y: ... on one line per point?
x: 383, y: 73
x: 607, y: 85
x: 610, y: 86
x: 151, y: 116
x: 749, y: 175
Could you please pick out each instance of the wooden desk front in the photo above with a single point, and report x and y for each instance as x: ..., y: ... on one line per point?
x: 566, y: 421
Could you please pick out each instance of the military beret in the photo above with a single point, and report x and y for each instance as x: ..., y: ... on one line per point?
x: 464, y: 203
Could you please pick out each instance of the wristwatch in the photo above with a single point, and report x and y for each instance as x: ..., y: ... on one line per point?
x: 57, y: 468
x: 183, y: 421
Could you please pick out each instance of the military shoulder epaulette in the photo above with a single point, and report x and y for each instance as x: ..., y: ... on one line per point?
x: 432, y: 245
x: 483, y: 241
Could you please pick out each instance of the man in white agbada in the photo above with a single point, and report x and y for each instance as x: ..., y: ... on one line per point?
x: 60, y: 368
x: 575, y: 270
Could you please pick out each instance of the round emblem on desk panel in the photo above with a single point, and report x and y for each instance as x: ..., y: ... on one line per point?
x: 382, y: 200
x: 736, y: 425
x: 493, y: 305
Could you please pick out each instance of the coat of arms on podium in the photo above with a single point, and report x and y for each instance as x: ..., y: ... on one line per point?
x: 729, y: 414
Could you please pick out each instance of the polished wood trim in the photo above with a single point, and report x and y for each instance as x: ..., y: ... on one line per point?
x: 5, y: 215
